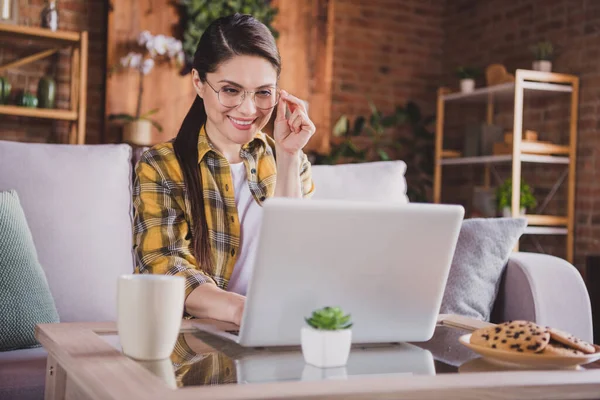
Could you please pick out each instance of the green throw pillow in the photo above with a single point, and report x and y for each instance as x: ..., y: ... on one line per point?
x: 25, y: 298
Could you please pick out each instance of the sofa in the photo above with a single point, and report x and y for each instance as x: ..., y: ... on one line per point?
x: 77, y: 200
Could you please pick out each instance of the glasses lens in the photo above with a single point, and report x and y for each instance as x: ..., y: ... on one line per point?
x: 266, y: 98
x: 230, y: 97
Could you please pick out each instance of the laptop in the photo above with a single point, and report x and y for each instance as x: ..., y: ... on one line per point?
x: 386, y: 264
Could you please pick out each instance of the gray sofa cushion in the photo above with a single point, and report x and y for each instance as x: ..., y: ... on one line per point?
x: 482, y: 251
x: 25, y: 298
x: 77, y: 201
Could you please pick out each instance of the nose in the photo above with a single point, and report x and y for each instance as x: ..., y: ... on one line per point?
x: 247, y: 107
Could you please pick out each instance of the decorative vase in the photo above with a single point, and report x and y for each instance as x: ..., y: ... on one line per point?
x: 50, y: 16
x: 138, y: 132
x: 467, y: 85
x: 46, y: 92
x: 542, y: 65
x: 5, y: 10
x: 5, y: 88
x: 506, y: 212
x: 27, y: 99
x: 326, y: 349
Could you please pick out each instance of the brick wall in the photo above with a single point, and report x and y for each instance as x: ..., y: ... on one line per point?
x: 482, y: 32
x: 387, y: 50
x: 74, y: 15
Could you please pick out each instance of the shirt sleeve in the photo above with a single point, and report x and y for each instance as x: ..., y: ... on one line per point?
x: 160, y: 230
x: 308, y: 186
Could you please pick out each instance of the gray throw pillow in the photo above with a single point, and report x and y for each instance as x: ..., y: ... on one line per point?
x: 482, y: 251
x: 25, y: 298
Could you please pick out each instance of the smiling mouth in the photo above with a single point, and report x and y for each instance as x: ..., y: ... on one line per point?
x: 241, y: 121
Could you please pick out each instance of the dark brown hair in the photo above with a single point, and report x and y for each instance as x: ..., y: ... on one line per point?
x: 224, y: 39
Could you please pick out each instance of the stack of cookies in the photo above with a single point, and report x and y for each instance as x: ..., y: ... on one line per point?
x: 528, y: 337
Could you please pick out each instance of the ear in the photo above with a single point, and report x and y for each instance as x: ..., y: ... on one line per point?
x: 199, y: 86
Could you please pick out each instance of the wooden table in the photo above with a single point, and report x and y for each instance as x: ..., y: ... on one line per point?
x: 84, y: 365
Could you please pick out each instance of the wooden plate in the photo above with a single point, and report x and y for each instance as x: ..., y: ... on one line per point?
x: 506, y: 357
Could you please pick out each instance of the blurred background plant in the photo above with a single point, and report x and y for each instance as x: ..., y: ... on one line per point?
x: 150, y: 50
x: 196, y: 15
x: 405, y: 134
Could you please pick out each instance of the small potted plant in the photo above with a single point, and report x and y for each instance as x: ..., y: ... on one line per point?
x: 542, y: 52
x: 467, y: 77
x: 327, y: 339
x: 152, y: 49
x: 504, y: 198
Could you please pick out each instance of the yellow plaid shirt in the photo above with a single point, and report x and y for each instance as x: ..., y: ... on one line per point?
x: 162, y: 219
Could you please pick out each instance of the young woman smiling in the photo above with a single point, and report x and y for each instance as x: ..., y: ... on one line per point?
x: 197, y: 198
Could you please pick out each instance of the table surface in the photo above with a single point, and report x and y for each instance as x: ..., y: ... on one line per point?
x: 208, y: 366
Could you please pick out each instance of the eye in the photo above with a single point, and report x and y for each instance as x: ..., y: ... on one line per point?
x: 264, y: 93
x: 229, y: 90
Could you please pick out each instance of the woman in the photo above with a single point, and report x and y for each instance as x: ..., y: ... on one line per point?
x: 198, y: 197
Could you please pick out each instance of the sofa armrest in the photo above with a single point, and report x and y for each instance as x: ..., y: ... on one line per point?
x: 547, y: 290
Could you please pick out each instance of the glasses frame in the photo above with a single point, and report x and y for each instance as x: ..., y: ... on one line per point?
x: 253, y: 92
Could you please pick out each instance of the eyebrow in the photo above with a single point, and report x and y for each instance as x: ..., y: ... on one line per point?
x: 240, y: 86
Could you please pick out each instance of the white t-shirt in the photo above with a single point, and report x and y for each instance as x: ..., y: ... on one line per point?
x: 250, y: 216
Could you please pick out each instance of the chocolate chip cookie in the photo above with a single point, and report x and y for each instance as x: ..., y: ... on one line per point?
x: 518, y: 336
x: 555, y: 348
x: 571, y: 341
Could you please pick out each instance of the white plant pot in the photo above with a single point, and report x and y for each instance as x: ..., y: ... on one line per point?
x: 542, y: 65
x: 326, y: 349
x: 507, y: 213
x: 138, y: 132
x: 467, y: 85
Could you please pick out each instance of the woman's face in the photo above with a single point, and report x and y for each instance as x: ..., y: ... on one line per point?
x: 237, y: 124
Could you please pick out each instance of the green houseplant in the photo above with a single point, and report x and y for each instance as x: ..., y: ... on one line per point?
x: 405, y: 134
x: 327, y: 338
x: 504, y: 198
x: 542, y: 52
x: 196, y: 15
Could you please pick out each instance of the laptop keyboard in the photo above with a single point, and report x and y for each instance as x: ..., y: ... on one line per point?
x: 236, y: 333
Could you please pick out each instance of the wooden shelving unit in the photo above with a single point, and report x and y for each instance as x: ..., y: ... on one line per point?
x: 534, y: 83
x: 77, y: 42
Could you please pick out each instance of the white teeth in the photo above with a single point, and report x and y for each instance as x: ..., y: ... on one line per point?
x: 237, y: 121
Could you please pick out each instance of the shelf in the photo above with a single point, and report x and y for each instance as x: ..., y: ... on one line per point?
x: 29, y: 32
x: 546, y: 220
x: 506, y: 91
x: 66, y: 115
x: 532, y: 158
x: 532, y: 148
x: 545, y: 230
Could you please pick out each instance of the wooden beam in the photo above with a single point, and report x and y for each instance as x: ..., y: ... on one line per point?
x: 83, y: 71
x: 28, y: 59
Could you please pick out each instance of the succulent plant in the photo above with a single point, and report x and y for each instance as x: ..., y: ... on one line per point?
x: 329, y: 319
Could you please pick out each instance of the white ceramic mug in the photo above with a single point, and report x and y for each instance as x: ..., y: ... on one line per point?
x: 150, y: 309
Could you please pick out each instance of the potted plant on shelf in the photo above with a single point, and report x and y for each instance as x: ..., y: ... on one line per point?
x: 467, y: 77
x: 327, y: 338
x: 543, y: 52
x: 153, y: 49
x: 504, y: 198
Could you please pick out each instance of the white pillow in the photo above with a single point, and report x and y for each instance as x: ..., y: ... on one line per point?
x: 373, y: 181
x: 77, y: 201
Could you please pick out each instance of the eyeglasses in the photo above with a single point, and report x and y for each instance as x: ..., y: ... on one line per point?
x: 231, y: 96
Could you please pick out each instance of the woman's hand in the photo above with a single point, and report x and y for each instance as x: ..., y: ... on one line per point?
x: 291, y: 134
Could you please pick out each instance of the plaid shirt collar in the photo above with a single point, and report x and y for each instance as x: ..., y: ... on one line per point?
x: 205, y: 146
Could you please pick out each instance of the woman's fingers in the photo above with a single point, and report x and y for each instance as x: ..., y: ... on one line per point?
x: 281, y: 109
x: 295, y: 102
